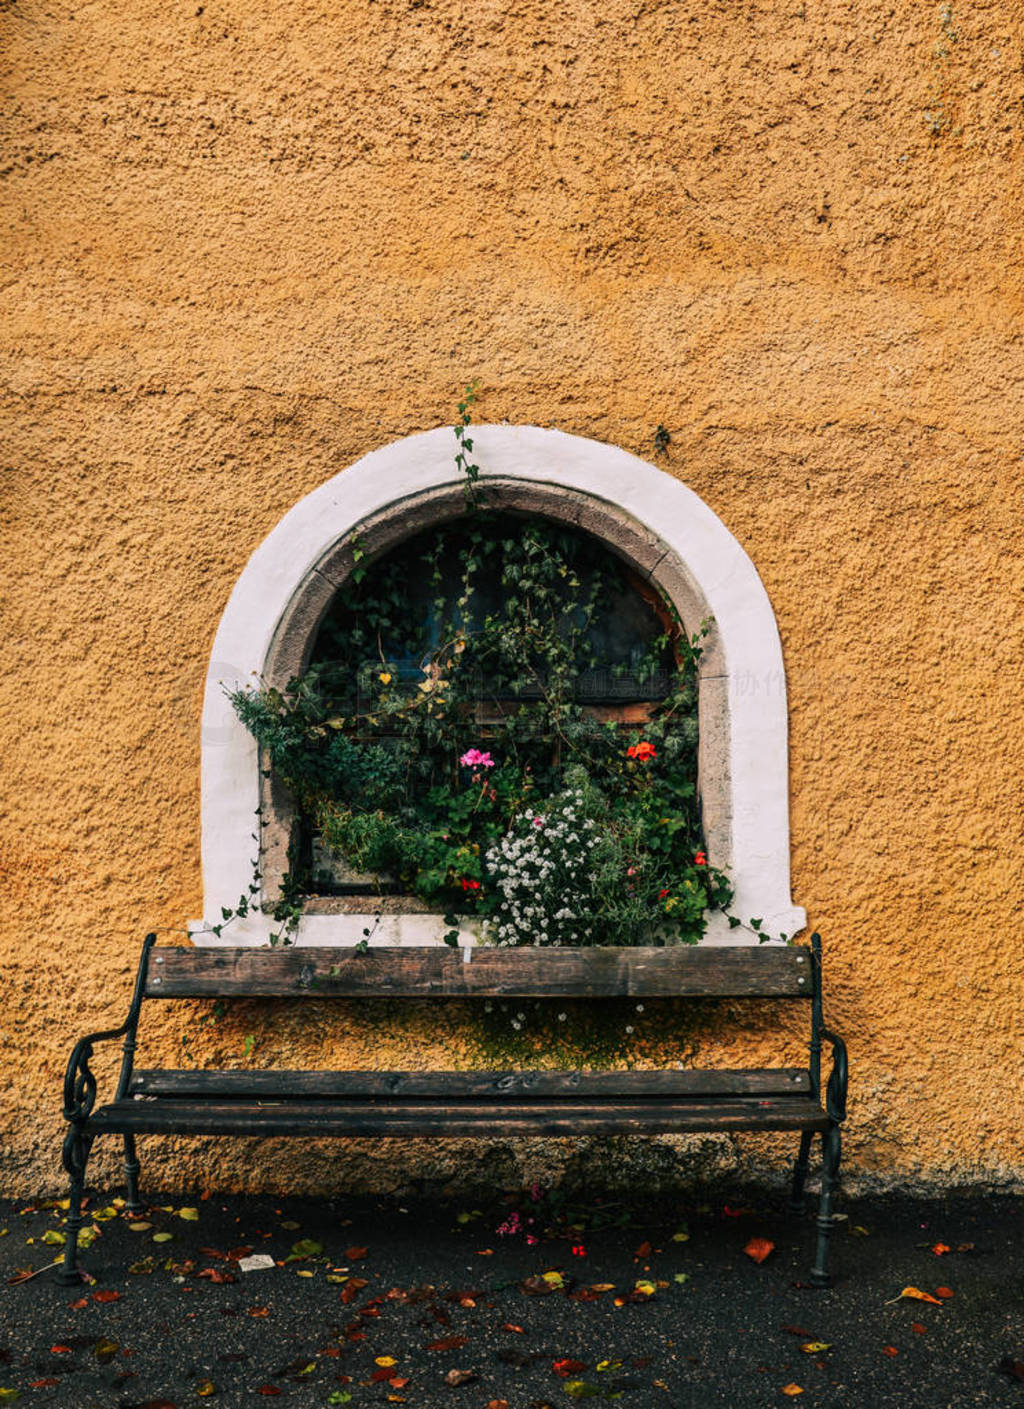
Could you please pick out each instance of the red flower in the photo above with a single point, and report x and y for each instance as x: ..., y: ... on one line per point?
x: 700, y: 859
x: 662, y: 894
x: 470, y: 885
x: 642, y: 751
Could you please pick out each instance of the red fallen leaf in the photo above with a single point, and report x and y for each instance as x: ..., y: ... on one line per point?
x: 268, y: 1389
x: 78, y: 1305
x: 510, y: 1326
x: 355, y: 1254
x: 399, y: 1381
x: 48, y: 1383
x: 799, y: 1331
x: 449, y: 1343
x: 497, y: 1404
x: 564, y: 1368
x: 379, y: 1376
x: 355, y: 1335
x: 944, y: 1292
x: 332, y: 1350
x: 60, y: 1350
x: 584, y: 1294
x: 214, y: 1252
x: 915, y: 1294
x: 734, y: 1212
x: 939, y: 1248
x: 214, y: 1274
x: 644, y: 1250
x: 157, y: 1404
x: 352, y: 1288
x: 759, y: 1248
x: 236, y: 1253
x: 889, y: 1350
x: 917, y: 1328
x: 106, y: 1296
x: 259, y: 1310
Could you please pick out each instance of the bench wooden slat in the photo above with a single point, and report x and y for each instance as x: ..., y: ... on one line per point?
x: 700, y: 972
x: 467, y: 1085
x: 375, y: 1119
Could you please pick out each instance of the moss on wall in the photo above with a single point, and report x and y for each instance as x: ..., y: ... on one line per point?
x: 242, y: 248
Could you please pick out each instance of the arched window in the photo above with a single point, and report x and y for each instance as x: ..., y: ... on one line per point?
x: 298, y: 602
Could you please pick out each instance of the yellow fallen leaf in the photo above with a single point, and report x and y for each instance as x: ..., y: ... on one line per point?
x: 190, y: 1215
x: 680, y: 1237
x: 645, y: 1288
x: 915, y: 1294
x: 553, y: 1279
x: 385, y: 1361
x: 205, y: 1389
x: 139, y: 1227
x: 304, y: 1272
x: 603, y: 1287
x: 816, y: 1347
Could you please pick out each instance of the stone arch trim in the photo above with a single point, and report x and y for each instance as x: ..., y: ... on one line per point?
x: 658, y: 525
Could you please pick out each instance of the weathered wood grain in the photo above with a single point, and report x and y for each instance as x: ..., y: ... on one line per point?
x: 355, y: 1119
x: 698, y: 972
x: 439, y: 1086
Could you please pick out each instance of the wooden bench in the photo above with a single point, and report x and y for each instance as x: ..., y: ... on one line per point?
x: 368, y: 1104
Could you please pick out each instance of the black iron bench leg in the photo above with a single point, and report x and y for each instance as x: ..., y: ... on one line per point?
x: 75, y: 1158
x: 132, y: 1169
x: 831, y: 1149
x: 796, y: 1199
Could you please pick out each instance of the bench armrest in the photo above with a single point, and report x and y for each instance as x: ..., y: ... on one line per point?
x: 835, y: 1093
x: 79, y: 1082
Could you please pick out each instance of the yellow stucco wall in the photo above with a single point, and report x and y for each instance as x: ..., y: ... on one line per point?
x: 242, y: 247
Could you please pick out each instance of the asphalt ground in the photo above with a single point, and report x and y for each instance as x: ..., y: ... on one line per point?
x: 427, y: 1302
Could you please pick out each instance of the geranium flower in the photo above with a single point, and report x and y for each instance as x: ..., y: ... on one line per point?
x: 467, y: 884
x: 642, y: 751
x: 700, y: 859
x: 473, y: 758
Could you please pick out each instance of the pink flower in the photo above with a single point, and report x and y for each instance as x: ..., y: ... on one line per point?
x: 473, y: 758
x: 538, y: 821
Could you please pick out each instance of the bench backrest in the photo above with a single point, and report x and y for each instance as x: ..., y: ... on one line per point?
x: 740, y: 971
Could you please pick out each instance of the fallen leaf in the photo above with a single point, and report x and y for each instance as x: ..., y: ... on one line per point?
x: 351, y: 1254
x: 385, y: 1360
x: 106, y: 1350
x: 60, y: 1350
x: 917, y: 1328
x: 939, y: 1248
x: 143, y: 1268
x: 915, y: 1294
x: 509, y: 1326
x: 259, y: 1311
x: 215, y: 1275
x: 944, y: 1292
x: 106, y: 1296
x: 53, y: 1238
x: 352, y: 1288
x: 759, y: 1248
x: 460, y: 1377
x: 162, y: 1237
x: 190, y: 1215
x: 644, y: 1250
x: 308, y: 1247
x: 82, y: 1302
x: 581, y: 1389
x: 399, y: 1381
x: 815, y: 1347
x: 646, y: 1289
x: 792, y: 1390
x: 564, y: 1368
x: 1011, y: 1367
x: 269, y: 1389
x: 8, y: 1396
x: 497, y: 1404
x: 449, y: 1343
x: 48, y: 1383
x: 205, y: 1389
x: 681, y: 1237
x: 602, y: 1287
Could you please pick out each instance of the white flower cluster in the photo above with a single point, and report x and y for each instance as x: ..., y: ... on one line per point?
x: 541, y: 871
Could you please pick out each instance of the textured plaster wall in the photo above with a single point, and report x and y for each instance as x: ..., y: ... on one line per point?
x: 242, y: 248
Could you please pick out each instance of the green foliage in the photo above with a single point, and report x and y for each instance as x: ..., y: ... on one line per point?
x: 455, y: 735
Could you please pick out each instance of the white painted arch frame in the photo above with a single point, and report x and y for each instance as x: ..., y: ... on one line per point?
x: 743, y: 714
